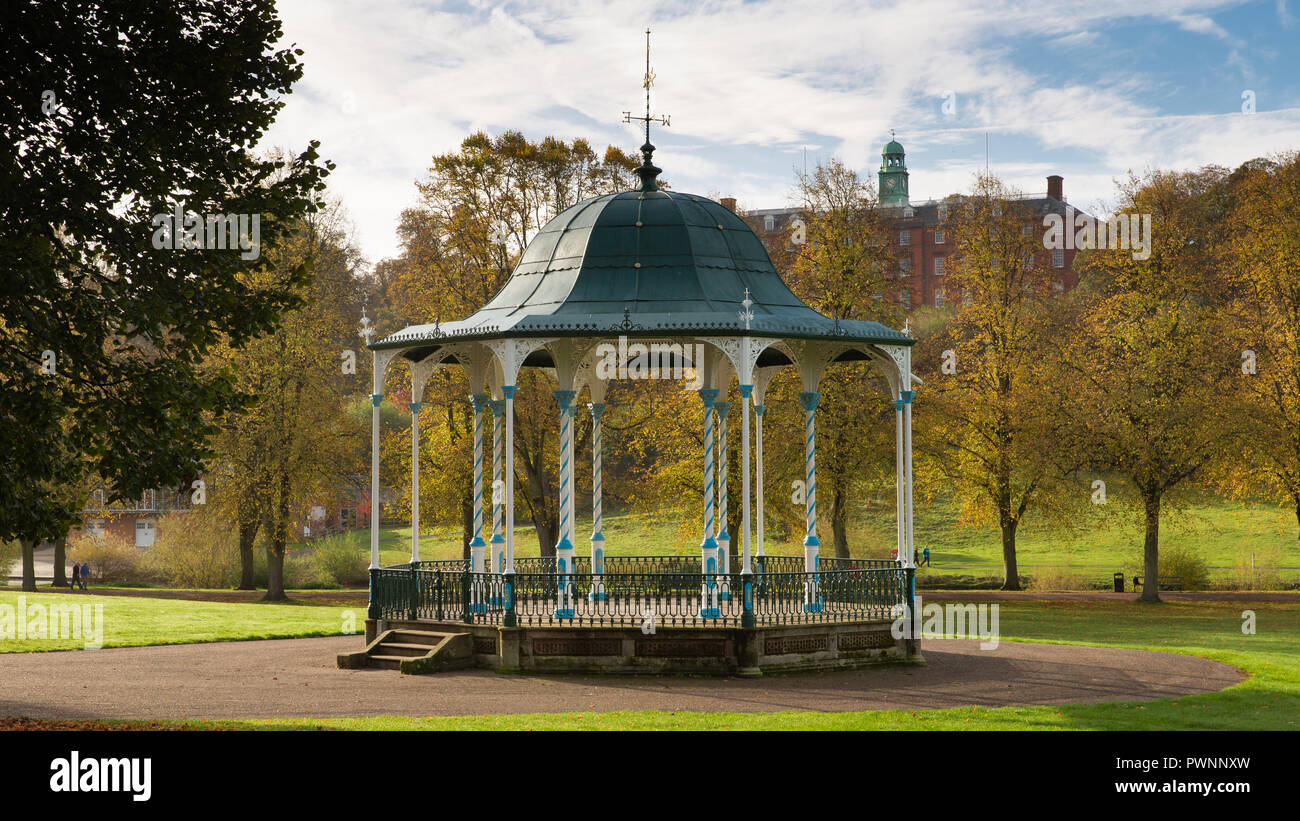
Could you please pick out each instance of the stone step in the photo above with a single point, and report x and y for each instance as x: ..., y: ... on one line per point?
x: 428, y: 638
x: 389, y: 648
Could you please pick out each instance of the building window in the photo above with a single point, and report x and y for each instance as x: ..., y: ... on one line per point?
x: 904, y: 237
x: 908, y: 212
x: 938, y: 297
x: 905, y: 298
x: 1058, y: 258
x: 938, y: 236
x: 769, y: 223
x: 938, y: 266
x: 942, y: 212
x: 1059, y: 285
x: 997, y: 209
x: 905, y: 266
x: 965, y: 297
x: 1027, y: 230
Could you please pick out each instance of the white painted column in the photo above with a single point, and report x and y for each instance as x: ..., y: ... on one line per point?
x: 758, y: 467
x: 708, y: 547
x: 375, y: 399
x: 900, y: 481
x: 812, y: 547
x: 415, y: 482
x: 909, y: 559
x: 597, y: 535
x: 724, y: 538
x: 745, y: 391
x: 509, y: 488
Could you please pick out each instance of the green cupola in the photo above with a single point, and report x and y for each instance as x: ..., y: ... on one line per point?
x: 893, y: 176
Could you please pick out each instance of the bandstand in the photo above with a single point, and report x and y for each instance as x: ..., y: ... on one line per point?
x: 645, y: 273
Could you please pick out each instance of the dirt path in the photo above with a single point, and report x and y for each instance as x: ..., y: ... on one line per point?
x: 297, y: 677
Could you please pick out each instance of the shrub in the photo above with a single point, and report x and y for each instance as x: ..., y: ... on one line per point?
x: 113, y: 559
x: 304, y: 572
x: 1060, y: 577
x: 10, y: 553
x: 195, y: 549
x: 344, y: 558
x: 1175, y: 560
x: 1258, y: 569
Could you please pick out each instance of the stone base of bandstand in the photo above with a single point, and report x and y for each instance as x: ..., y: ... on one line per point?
x: 718, y: 651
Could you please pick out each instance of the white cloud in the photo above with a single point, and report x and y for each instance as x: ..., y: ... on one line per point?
x: 747, y: 84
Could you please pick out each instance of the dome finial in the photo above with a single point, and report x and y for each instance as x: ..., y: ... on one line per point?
x: 647, y: 170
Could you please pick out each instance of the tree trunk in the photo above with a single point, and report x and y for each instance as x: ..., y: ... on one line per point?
x: 1151, y: 548
x: 247, y: 538
x: 60, y: 560
x: 1010, y: 570
x: 275, y: 545
x: 275, y: 571
x: 839, y: 521
x: 467, y: 521
x: 1296, y: 498
x: 29, y: 565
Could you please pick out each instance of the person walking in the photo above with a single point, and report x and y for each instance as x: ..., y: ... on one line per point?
x: 76, y: 576
x: 85, y: 574
x: 925, y: 557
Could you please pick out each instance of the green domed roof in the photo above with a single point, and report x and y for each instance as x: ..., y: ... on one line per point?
x: 644, y: 263
x: 893, y: 147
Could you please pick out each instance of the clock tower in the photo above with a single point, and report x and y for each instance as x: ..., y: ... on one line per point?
x: 893, y: 176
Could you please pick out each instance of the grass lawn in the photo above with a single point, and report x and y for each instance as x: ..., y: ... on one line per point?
x: 133, y: 621
x: 1269, y: 700
x: 1225, y: 534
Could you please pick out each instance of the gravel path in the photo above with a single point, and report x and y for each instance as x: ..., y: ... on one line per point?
x: 297, y: 677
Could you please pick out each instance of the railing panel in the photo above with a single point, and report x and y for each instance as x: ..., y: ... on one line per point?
x: 686, y: 598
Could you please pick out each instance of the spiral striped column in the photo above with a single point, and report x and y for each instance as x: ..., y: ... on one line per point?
x: 498, y: 407
x: 708, y: 547
x: 724, y: 537
x: 597, y: 536
x: 812, y: 601
x: 498, y: 541
x: 477, y: 547
x: 564, y: 548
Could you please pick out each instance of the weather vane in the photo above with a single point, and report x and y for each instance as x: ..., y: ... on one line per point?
x: 647, y: 83
x: 367, y: 329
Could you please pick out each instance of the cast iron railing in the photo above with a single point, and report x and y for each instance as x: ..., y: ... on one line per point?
x: 635, y: 599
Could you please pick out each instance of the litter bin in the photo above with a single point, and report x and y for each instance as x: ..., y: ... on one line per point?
x: 1119, y: 582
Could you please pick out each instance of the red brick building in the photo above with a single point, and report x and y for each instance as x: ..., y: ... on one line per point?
x: 920, y: 236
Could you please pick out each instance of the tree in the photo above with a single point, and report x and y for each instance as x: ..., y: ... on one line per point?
x: 477, y: 211
x: 841, y: 267
x: 1149, y: 376
x: 295, y: 443
x: 1264, y: 271
x: 119, y: 118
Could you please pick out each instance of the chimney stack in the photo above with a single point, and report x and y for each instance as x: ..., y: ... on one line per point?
x: 729, y: 203
x: 1055, y: 187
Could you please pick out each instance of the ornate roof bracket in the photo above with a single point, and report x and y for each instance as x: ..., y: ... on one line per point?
x: 742, y: 352
x: 511, y: 353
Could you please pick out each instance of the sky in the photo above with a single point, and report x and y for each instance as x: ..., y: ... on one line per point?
x: 1089, y: 91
